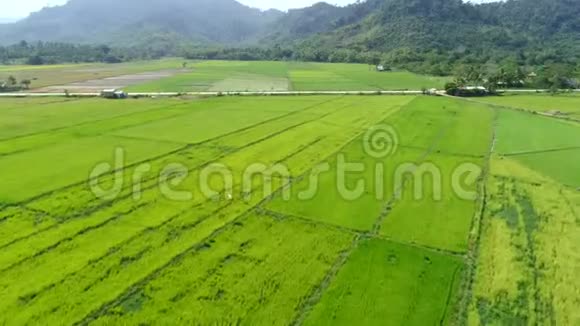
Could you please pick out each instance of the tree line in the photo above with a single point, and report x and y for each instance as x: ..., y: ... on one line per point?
x: 543, y: 68
x: 45, y: 53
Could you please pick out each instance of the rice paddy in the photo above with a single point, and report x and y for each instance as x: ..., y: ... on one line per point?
x: 286, y: 210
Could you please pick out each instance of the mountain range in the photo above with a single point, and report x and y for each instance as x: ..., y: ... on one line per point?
x: 126, y: 22
x: 371, y: 25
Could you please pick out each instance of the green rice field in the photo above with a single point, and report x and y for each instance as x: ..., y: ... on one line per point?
x: 565, y: 105
x: 287, y: 210
x: 51, y: 75
x: 282, y: 76
x: 224, y: 76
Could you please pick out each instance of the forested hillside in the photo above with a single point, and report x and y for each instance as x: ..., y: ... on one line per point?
x: 429, y: 36
x: 438, y: 32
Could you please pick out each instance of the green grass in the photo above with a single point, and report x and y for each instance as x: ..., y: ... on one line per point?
x: 389, y: 284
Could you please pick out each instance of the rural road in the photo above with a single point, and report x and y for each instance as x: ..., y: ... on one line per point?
x: 272, y: 93
x: 152, y: 94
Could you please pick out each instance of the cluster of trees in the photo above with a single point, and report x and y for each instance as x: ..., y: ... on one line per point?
x: 549, y: 76
x: 41, y: 53
x: 278, y: 53
x: 11, y: 84
x: 541, y: 69
x: 544, y: 68
x: 492, y: 77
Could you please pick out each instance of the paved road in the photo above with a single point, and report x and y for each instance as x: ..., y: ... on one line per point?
x: 153, y: 94
x: 271, y: 93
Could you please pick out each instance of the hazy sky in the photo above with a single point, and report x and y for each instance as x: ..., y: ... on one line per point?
x: 21, y: 8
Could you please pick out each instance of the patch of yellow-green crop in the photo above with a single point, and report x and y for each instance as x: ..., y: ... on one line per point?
x: 49, y: 75
x: 224, y: 279
x: 527, y: 261
x: 29, y: 174
x: 275, y: 76
x: 437, y: 197
x: 37, y: 118
x: 384, y: 283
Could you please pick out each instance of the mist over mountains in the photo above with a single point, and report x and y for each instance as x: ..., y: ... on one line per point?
x: 139, y: 21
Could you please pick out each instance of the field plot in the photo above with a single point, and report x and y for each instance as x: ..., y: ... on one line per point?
x: 331, y: 203
x: 425, y: 162
x: 251, y: 83
x: 50, y: 116
x: 14, y: 103
x: 528, y: 258
x: 432, y: 201
x: 389, y: 284
x: 429, y: 204
x: 116, y: 82
x: 54, y: 75
x: 274, y: 76
x: 558, y: 105
x: 548, y: 145
x: 169, y: 75
x: 223, y: 76
x: 217, y: 118
x: 34, y: 172
x: 294, y: 258
x: 332, y: 76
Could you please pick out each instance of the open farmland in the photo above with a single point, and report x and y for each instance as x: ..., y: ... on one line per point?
x: 391, y: 210
x: 563, y: 105
x: 527, y: 265
x: 169, y: 75
x: 79, y: 77
x: 294, y: 76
